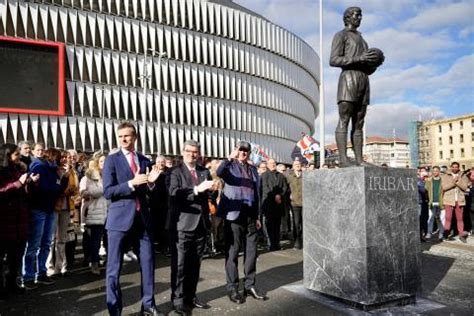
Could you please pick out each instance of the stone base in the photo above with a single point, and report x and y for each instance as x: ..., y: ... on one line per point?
x: 402, y: 301
x: 340, y: 307
x: 361, y: 235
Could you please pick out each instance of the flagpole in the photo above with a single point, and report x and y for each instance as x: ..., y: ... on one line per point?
x: 322, y: 152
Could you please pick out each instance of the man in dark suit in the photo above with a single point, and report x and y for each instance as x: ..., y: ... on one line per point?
x: 239, y: 206
x: 127, y: 181
x: 188, y: 223
x: 274, y: 193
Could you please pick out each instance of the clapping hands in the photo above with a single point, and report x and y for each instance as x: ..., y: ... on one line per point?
x: 31, y: 177
x: 205, y: 185
x: 153, y: 174
x: 147, y: 177
x: 139, y: 179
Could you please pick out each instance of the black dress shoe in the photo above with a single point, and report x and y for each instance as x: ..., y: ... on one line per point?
x: 182, y: 310
x: 199, y: 304
x: 152, y: 311
x: 235, y: 297
x: 255, y: 294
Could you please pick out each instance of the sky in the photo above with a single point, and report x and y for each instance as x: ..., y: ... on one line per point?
x: 429, y: 56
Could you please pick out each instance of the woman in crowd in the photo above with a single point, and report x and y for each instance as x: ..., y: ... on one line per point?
x: 217, y: 224
x: 94, y: 207
x: 14, y: 182
x: 64, y: 209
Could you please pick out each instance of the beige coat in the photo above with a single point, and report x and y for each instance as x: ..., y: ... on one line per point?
x: 453, y: 186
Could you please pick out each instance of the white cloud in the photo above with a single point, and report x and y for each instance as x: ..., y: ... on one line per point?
x: 382, y: 119
x: 394, y: 83
x: 377, y: 6
x: 461, y: 74
x: 466, y: 32
x: 442, y: 16
x: 408, y: 47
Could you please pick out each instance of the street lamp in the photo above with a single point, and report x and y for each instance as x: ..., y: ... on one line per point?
x: 146, y: 78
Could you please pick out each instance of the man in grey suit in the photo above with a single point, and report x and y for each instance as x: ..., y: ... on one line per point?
x: 188, y: 224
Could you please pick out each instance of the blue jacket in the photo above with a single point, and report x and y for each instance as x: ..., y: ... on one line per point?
x: 45, y: 193
x: 230, y: 172
x: 122, y: 210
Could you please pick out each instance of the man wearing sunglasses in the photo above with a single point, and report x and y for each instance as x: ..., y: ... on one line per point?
x: 239, y: 206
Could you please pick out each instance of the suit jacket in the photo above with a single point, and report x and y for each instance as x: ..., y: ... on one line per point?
x: 122, y: 210
x: 231, y: 173
x: 273, y: 183
x: 186, y: 209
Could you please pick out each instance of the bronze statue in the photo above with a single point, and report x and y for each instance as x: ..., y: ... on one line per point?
x: 350, y: 52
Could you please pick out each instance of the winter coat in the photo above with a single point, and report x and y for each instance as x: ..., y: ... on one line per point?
x: 14, y: 215
x: 451, y: 188
x: 66, y: 200
x: 273, y: 183
x: 429, y: 190
x: 50, y: 185
x: 94, y: 204
x: 296, y: 187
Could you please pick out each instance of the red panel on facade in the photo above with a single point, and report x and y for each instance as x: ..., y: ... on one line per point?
x: 31, y: 76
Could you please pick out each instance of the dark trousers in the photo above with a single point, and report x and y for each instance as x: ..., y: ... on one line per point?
x: 86, y: 248
x: 272, y: 225
x: 95, y: 233
x: 161, y: 235
x: 285, y: 221
x: 424, y: 218
x: 14, y: 249
x: 187, y: 249
x: 143, y: 246
x: 241, y: 232
x: 298, y: 228
x: 467, y: 218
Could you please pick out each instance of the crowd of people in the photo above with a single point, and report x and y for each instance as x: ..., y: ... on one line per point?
x: 445, y: 202
x: 125, y: 206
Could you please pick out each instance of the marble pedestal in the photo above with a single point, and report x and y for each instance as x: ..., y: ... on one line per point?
x: 361, y: 235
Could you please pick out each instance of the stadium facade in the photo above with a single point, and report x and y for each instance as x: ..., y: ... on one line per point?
x: 216, y: 73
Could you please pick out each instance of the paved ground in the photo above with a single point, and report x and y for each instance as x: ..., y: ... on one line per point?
x: 447, y: 273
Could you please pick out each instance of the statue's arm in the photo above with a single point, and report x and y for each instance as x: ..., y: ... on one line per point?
x: 338, y: 59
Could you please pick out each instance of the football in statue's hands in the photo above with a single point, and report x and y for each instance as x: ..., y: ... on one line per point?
x: 380, y: 57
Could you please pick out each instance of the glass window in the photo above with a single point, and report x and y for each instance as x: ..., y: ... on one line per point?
x: 461, y: 124
x: 451, y: 153
x: 450, y: 140
x: 440, y: 141
x: 462, y: 152
x: 440, y: 128
x: 461, y: 138
x: 450, y: 126
x: 440, y: 155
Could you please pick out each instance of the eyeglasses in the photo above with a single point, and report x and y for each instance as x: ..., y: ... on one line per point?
x: 192, y: 151
x: 244, y: 150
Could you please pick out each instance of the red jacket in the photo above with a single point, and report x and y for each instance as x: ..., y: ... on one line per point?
x: 14, y: 215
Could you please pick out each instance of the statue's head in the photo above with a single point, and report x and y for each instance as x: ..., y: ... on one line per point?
x: 350, y: 18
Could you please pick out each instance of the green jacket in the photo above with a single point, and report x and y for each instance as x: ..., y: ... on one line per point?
x: 429, y: 189
x: 296, y: 187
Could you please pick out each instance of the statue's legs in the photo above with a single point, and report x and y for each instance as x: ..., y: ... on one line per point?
x: 357, y: 134
x: 345, y: 114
